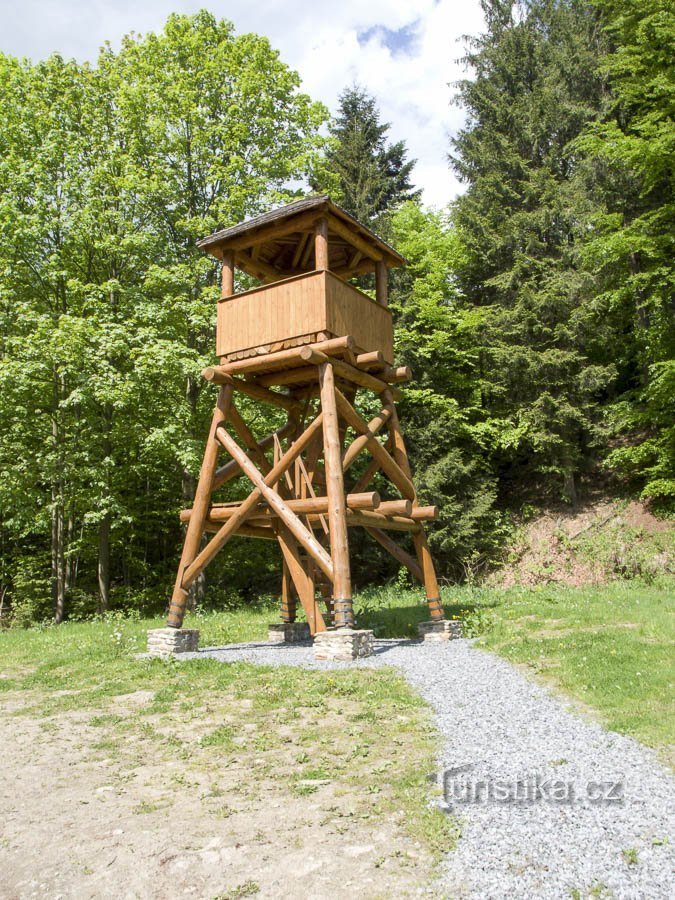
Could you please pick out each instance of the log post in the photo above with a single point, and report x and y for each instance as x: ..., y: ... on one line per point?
x: 227, y: 275
x: 382, y: 283
x: 400, y: 454
x: 288, y: 606
x: 337, y: 508
x: 200, y: 508
x: 321, y: 244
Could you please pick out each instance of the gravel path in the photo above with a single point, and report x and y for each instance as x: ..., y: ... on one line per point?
x: 551, y: 825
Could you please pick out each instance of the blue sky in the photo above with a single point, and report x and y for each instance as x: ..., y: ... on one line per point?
x: 405, y: 54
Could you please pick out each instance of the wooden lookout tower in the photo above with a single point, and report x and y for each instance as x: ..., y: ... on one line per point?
x: 306, y: 341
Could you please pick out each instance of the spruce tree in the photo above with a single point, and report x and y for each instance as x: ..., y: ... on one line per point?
x: 370, y: 175
x: 632, y: 244
x: 544, y: 361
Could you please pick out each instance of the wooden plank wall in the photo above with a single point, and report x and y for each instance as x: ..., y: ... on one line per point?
x: 307, y: 304
x: 271, y: 313
x: 349, y: 311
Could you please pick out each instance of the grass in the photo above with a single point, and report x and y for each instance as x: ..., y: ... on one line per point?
x: 610, y: 647
x: 365, y: 732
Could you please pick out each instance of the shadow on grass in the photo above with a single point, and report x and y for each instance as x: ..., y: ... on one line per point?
x: 402, y: 621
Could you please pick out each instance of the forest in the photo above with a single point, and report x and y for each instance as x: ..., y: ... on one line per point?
x: 536, y: 312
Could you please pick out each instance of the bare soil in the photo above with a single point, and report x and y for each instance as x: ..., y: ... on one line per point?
x: 590, y: 545
x: 129, y: 805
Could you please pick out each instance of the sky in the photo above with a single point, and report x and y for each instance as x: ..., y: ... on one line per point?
x: 405, y: 54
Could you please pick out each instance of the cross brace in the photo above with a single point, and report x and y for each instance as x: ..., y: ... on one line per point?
x: 299, y: 497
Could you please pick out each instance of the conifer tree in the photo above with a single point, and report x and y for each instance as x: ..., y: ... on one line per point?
x: 632, y: 243
x: 372, y: 177
x: 536, y: 87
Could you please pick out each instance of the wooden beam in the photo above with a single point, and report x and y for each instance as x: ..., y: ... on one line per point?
x: 360, y: 443
x: 228, y: 529
x: 397, y: 552
x: 388, y: 465
x: 310, y: 505
x: 200, y: 507
x: 227, y: 275
x: 299, y: 531
x: 302, y: 375
x: 396, y: 508
x: 337, y: 510
x: 372, y: 360
x: 394, y: 374
x: 353, y: 238
x: 231, y: 469
x: 263, y: 532
x: 312, y: 354
x: 363, y: 517
x: 214, y: 375
x: 431, y: 587
x: 424, y: 513
x: 288, y: 603
x: 287, y: 358
x: 382, y: 283
x: 321, y: 244
x: 363, y: 268
x: 304, y: 584
x: 259, y: 268
x: 426, y: 562
x: 300, y: 249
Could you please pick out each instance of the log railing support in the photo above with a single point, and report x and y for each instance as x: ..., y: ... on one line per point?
x: 321, y: 244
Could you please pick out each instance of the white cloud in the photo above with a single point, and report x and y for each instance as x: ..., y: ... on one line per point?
x: 410, y: 83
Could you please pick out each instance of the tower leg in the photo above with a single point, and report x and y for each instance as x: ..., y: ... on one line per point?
x: 200, y: 508
x: 426, y: 563
x: 288, y: 602
x: 431, y: 588
x: 337, y: 511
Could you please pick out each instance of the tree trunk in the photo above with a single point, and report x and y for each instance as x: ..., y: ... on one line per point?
x: 58, y: 525
x: 58, y: 558
x: 103, y: 570
x: 103, y: 566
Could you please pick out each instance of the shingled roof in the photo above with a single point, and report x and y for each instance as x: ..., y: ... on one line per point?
x: 278, y: 242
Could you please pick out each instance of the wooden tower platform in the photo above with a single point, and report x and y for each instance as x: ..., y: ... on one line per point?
x: 306, y: 342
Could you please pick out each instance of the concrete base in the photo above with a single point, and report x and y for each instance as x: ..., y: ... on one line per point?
x: 170, y: 641
x: 343, y: 643
x: 443, y: 630
x: 288, y: 633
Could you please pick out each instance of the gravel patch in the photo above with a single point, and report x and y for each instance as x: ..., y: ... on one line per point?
x: 551, y: 804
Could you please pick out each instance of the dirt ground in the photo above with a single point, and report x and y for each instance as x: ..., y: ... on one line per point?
x: 86, y: 816
x: 590, y: 545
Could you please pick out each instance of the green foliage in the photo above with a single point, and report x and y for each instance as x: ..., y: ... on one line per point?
x: 610, y: 647
x: 438, y: 335
x: 545, y: 357
x: 536, y: 314
x: 632, y: 243
x: 108, y: 176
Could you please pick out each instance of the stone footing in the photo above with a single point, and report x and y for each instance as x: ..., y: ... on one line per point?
x: 443, y: 630
x: 343, y: 643
x: 288, y: 633
x: 169, y: 641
